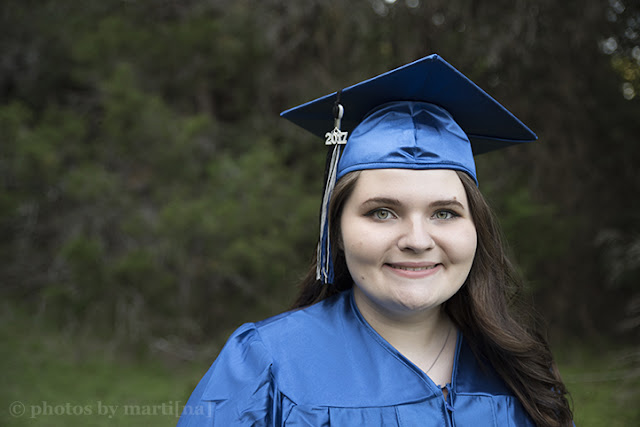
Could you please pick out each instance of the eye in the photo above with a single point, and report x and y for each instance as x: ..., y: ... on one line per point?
x: 444, y: 215
x: 381, y: 214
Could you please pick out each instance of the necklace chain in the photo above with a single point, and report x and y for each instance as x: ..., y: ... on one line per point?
x: 440, y: 352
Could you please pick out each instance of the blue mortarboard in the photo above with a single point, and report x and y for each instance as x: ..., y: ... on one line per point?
x: 424, y: 115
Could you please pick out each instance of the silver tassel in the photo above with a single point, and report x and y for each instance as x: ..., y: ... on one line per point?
x: 324, y: 267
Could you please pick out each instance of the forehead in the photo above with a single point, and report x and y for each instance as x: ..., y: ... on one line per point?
x: 409, y: 183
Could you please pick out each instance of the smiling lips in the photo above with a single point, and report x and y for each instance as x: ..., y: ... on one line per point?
x: 414, y: 269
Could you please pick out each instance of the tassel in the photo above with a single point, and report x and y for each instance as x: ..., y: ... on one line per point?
x: 324, y: 262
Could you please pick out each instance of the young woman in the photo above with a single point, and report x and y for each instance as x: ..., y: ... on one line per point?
x: 405, y: 320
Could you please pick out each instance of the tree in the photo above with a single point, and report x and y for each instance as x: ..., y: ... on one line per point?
x: 149, y: 189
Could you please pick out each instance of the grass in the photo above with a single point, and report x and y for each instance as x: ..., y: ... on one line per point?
x: 604, y: 384
x: 53, y: 379
x: 60, y: 379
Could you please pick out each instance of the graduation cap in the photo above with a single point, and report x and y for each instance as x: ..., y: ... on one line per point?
x: 423, y: 115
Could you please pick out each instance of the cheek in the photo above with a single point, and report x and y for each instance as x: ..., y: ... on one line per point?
x: 352, y: 238
x: 358, y: 254
x: 472, y: 244
x: 353, y: 247
x: 465, y: 244
x: 362, y: 243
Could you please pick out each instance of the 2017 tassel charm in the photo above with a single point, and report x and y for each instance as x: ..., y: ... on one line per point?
x: 337, y: 138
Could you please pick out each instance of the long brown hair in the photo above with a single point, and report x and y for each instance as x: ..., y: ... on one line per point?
x: 484, y: 309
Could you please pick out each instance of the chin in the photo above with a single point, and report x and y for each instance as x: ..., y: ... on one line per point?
x: 409, y: 306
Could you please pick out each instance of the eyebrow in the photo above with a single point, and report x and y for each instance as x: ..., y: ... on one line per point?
x: 381, y: 201
x: 389, y: 201
x: 445, y: 203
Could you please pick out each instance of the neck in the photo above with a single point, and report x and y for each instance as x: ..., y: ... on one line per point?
x: 427, y: 338
x: 420, y: 333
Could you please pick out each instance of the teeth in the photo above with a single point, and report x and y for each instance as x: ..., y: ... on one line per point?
x: 415, y: 268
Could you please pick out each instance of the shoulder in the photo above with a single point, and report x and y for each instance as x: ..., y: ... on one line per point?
x: 306, y: 325
x: 255, y: 348
x: 475, y: 376
x: 484, y: 395
x: 239, y: 378
x: 258, y: 357
x: 241, y: 363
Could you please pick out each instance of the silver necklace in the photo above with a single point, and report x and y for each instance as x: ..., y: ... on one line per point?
x: 439, y: 353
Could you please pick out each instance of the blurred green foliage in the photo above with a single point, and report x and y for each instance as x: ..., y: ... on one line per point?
x: 151, y: 195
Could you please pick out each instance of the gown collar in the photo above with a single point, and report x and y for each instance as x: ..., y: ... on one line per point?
x: 383, y: 342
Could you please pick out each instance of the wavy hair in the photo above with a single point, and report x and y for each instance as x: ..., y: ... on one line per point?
x: 499, y: 331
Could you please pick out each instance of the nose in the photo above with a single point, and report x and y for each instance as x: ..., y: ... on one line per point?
x: 416, y: 236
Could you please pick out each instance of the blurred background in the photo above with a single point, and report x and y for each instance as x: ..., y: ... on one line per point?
x: 152, y: 200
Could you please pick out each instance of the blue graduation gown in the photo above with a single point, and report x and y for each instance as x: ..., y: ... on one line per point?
x: 324, y: 365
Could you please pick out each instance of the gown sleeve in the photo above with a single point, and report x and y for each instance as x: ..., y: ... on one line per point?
x: 238, y: 389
